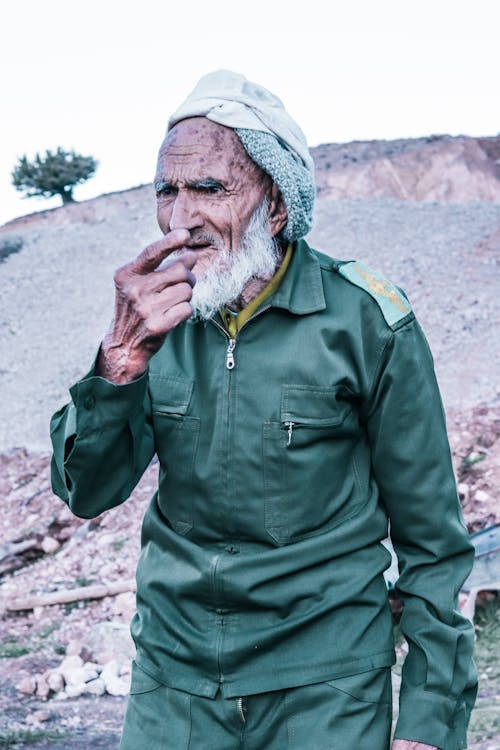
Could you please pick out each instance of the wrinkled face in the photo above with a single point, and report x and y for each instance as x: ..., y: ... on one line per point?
x: 206, y: 183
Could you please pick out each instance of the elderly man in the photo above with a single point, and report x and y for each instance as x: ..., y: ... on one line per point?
x: 291, y: 401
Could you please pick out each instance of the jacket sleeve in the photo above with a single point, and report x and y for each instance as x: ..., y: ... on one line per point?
x: 413, y: 470
x: 102, y: 443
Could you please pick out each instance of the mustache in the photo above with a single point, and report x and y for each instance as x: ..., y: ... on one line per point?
x: 203, y: 238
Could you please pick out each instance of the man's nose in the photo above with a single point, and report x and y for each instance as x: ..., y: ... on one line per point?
x: 185, y: 213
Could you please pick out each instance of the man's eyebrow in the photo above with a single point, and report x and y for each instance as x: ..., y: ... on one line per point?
x: 207, y: 182
x: 161, y: 184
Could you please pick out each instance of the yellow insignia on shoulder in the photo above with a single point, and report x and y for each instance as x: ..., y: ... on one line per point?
x: 392, y: 302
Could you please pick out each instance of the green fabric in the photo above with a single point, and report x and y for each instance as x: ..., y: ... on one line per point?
x: 350, y: 712
x: 261, y: 565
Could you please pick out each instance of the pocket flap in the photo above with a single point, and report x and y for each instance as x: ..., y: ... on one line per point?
x: 313, y: 404
x: 170, y: 394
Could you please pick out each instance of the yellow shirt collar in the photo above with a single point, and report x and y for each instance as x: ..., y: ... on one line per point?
x: 235, y: 323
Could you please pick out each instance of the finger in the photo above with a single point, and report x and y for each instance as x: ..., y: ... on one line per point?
x: 177, y: 273
x: 178, y: 314
x: 164, y: 321
x: 153, y: 254
x: 171, y: 296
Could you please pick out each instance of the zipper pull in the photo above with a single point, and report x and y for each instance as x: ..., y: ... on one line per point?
x: 290, y: 426
x: 229, y: 354
x: 241, y: 708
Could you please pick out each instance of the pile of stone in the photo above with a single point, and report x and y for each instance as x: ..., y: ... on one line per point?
x: 100, y: 663
x: 75, y: 677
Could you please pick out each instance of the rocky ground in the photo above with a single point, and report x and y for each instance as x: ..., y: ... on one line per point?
x: 64, y: 667
x: 67, y: 585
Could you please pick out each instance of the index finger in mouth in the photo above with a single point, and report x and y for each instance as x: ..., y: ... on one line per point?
x: 151, y: 257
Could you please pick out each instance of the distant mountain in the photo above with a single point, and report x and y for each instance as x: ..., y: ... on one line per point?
x: 439, y: 168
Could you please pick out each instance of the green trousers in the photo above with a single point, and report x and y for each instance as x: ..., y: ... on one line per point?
x: 348, y: 713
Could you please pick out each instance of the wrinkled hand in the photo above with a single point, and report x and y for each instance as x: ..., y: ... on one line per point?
x: 409, y: 745
x: 149, y: 303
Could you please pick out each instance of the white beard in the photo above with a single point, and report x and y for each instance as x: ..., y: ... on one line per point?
x: 231, y: 270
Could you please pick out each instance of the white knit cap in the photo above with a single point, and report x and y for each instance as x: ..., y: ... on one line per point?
x: 231, y: 100
x: 269, y: 135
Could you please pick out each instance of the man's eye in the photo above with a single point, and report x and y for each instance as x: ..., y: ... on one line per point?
x: 164, y: 189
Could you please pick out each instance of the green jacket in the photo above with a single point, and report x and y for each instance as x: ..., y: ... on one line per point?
x: 261, y: 564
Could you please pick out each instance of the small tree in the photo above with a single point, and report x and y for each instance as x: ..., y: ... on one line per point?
x: 56, y: 173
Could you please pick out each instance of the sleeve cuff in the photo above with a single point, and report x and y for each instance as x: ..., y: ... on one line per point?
x: 432, y: 719
x: 99, y: 402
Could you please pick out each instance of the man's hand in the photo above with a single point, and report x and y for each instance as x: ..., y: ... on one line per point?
x: 409, y: 745
x: 149, y: 303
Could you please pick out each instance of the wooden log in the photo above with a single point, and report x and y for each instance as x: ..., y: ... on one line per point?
x: 66, y: 596
x: 16, y: 548
x: 11, y: 554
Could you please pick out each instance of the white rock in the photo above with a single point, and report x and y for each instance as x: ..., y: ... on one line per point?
x: 110, y: 669
x: 42, y: 715
x: 50, y: 545
x: 104, y: 539
x: 126, y: 669
x: 94, y: 666
x: 70, y: 662
x: 90, y: 672
x: 117, y: 686
x: 95, y: 687
x: 75, y: 676
x: 481, y: 496
x: 73, y: 691
x: 55, y: 681
x: 31, y: 720
x: 27, y: 686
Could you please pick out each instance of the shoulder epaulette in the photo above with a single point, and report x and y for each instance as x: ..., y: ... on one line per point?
x: 392, y: 302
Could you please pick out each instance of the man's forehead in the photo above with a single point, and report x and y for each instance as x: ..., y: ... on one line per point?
x: 201, y: 134
x: 206, y: 147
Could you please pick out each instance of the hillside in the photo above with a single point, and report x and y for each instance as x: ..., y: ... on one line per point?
x: 437, y: 168
x: 56, y: 293
x: 426, y: 212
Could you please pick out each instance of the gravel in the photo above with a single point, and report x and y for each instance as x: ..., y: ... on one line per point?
x: 56, y: 293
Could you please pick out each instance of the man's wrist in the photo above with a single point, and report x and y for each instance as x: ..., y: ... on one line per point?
x: 119, y: 366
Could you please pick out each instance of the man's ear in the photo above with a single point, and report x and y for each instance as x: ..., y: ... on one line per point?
x: 278, y: 215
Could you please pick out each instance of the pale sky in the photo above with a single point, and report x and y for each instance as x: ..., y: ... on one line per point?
x: 102, y: 76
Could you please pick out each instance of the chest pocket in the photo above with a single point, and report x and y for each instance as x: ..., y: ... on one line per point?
x: 176, y: 439
x: 310, y: 477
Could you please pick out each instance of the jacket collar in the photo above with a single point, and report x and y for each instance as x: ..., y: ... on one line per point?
x: 301, y: 291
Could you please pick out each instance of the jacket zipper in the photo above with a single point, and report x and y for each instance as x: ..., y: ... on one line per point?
x: 259, y: 312
x: 229, y: 354
x: 292, y: 425
x: 231, y: 345
x: 241, y: 709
